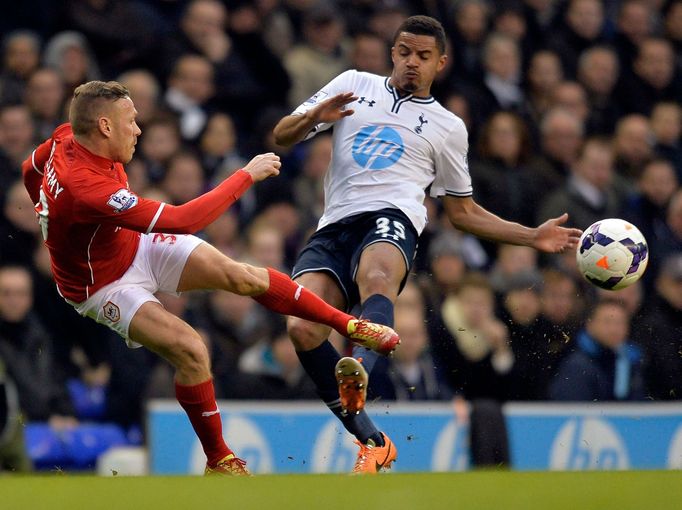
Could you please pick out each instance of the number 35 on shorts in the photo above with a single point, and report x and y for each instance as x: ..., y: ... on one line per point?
x: 390, y: 228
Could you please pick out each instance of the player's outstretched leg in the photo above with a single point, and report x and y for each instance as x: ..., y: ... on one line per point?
x: 289, y: 298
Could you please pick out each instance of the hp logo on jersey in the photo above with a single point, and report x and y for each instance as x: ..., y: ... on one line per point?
x: 377, y: 147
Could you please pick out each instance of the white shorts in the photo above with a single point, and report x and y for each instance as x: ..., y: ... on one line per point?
x: 157, y: 266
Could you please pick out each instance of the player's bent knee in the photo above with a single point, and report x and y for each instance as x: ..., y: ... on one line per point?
x: 306, y: 335
x: 191, y: 355
x: 244, y: 279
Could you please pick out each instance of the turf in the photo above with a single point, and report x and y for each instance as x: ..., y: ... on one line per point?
x: 659, y: 490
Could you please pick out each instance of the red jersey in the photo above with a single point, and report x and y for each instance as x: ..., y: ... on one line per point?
x: 90, y: 219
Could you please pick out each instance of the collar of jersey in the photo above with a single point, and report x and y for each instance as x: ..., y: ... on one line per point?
x: 101, y: 163
x: 398, y: 99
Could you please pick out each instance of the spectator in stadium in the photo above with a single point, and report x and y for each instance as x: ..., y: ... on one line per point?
x: 122, y: 35
x: 159, y: 142
x: 18, y: 229
x: 561, y: 311
x: 145, y: 91
x: 469, y: 344
x: 219, y: 147
x: 446, y: 267
x: 321, y: 55
x: 511, y: 260
x: 598, y: 72
x: 535, y: 364
x: 654, y: 78
x: 467, y: 30
x: 582, y: 27
x: 13, y: 452
x: 69, y: 53
x: 561, y: 136
x: 673, y: 29
x: 571, y: 96
x: 191, y: 87
x: 20, y: 58
x: 370, y: 54
x: 647, y: 207
x: 99, y: 138
x: 501, y: 85
x: 659, y: 333
x: 45, y: 95
x: 606, y: 365
x: 633, y: 143
x: 503, y: 181
x: 666, y: 124
x: 184, y: 178
x: 668, y: 239
x: 269, y: 368
x: 308, y: 188
x: 28, y: 353
x: 591, y: 192
x: 16, y: 141
x: 411, y: 375
x: 543, y: 75
x: 634, y: 23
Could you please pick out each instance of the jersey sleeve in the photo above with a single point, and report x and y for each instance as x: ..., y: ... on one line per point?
x: 32, y: 169
x: 342, y: 83
x: 104, y: 200
x: 451, y: 165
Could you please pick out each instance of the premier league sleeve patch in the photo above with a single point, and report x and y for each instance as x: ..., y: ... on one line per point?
x: 122, y: 200
x: 317, y: 97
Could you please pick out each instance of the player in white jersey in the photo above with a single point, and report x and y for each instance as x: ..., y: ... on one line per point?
x: 391, y: 141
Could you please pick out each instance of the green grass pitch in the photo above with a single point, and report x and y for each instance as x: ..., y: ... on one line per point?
x: 494, y: 490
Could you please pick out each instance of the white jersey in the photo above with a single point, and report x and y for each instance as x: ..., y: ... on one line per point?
x: 390, y: 150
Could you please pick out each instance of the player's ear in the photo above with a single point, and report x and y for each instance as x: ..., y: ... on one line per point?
x: 104, y: 126
x: 442, y: 60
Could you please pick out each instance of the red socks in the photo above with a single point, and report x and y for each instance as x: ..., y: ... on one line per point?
x: 289, y: 298
x: 199, y: 403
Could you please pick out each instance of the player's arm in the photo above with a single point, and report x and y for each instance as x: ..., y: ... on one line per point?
x: 319, y: 112
x: 109, y: 203
x: 32, y: 169
x: 296, y: 127
x: 453, y: 182
x: 465, y: 214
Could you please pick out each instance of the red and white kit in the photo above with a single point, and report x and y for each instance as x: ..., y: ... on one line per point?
x: 94, y: 228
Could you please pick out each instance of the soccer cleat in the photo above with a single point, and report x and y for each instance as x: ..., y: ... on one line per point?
x: 228, y: 466
x: 372, y: 458
x: 376, y: 337
x: 352, y: 378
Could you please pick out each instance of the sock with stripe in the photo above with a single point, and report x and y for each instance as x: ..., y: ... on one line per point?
x: 320, y: 363
x: 289, y: 298
x: 199, y: 403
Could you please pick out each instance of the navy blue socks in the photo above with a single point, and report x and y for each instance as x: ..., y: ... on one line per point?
x: 378, y: 309
x: 320, y: 363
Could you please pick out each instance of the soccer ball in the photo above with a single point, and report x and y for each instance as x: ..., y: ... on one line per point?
x: 612, y: 254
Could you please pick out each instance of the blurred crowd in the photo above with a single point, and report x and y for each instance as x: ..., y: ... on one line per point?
x: 570, y: 105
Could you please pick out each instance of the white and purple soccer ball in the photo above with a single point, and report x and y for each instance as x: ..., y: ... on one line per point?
x: 612, y: 254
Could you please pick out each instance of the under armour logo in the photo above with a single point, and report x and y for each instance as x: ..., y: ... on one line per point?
x: 206, y: 414
x: 422, y: 121
x: 370, y: 102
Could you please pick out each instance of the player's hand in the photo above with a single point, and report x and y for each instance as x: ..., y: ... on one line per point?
x: 332, y: 109
x: 263, y: 166
x: 551, y: 237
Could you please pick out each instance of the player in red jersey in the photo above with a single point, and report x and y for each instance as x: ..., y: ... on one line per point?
x: 111, y: 250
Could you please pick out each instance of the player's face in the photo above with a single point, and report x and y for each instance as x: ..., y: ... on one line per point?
x: 124, y: 130
x: 416, y: 61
